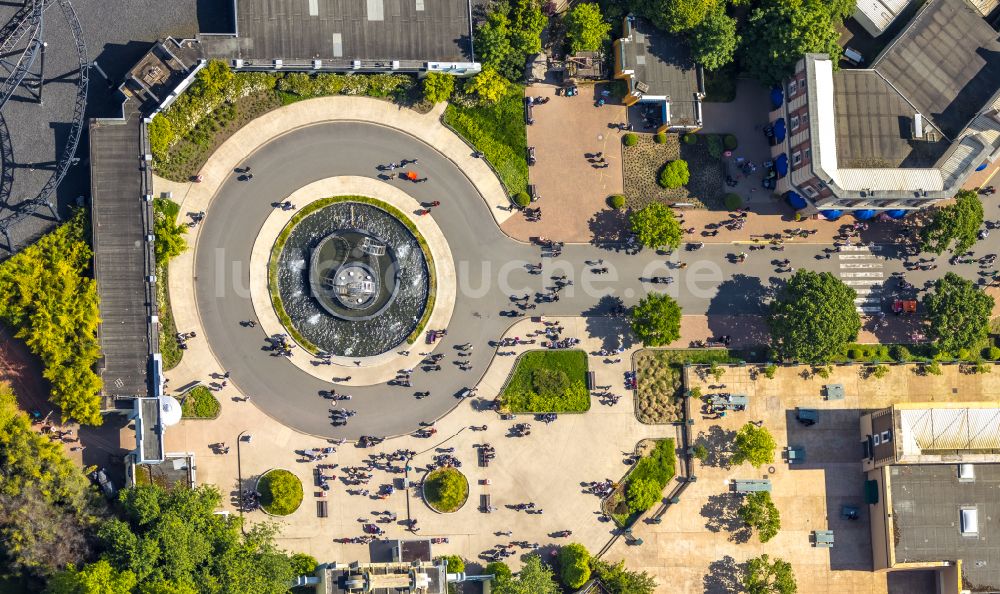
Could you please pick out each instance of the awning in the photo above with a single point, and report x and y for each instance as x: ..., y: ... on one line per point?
x: 983, y: 166
x: 797, y: 202
x: 897, y: 214
x: 779, y: 130
x: 777, y: 97
x: 781, y: 165
x: 831, y: 215
x: 863, y: 215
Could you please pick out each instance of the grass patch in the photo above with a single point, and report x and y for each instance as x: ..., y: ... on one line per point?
x: 548, y: 381
x: 280, y: 492
x: 169, y: 347
x: 446, y: 489
x: 658, y: 467
x: 659, y: 392
x: 498, y: 132
x: 279, y: 243
x: 200, y: 403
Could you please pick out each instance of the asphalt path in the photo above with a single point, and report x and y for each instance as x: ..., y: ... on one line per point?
x: 491, y: 267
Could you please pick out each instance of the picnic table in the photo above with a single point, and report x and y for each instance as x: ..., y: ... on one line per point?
x: 795, y: 455
x: 834, y: 391
x: 752, y: 485
x: 823, y: 538
x: 730, y: 401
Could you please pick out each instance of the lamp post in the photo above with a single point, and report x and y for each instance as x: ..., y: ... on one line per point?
x: 239, y: 472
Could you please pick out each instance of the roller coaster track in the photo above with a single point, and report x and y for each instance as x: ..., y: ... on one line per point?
x: 28, y: 23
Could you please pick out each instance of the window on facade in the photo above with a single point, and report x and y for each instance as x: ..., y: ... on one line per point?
x: 793, y: 86
x: 808, y: 153
x: 876, y: 440
x: 795, y: 122
x: 810, y: 191
x: 796, y: 157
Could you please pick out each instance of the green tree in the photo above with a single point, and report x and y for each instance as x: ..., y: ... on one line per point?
x: 168, y: 234
x: 813, y: 318
x: 958, y: 314
x: 675, y: 15
x: 161, y: 136
x: 586, y: 28
x: 714, y: 41
x: 303, y: 564
x: 510, y: 33
x: 534, y: 578
x: 455, y: 563
x: 956, y: 224
x: 96, y: 578
x: 763, y: 576
x: 674, y: 174
x: 493, y: 38
x: 643, y: 493
x: 753, y: 444
x: 759, y: 513
x: 778, y: 33
x: 499, y: 570
x: 211, y: 81
x: 619, y: 580
x: 656, y: 320
x: 446, y: 489
x: 438, y: 87
x: 488, y: 86
x: 574, y: 565
x: 655, y: 226
x: 47, y: 506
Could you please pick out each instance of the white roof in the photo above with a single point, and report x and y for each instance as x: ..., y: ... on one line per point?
x: 881, y: 13
x: 170, y: 411
x: 938, y: 429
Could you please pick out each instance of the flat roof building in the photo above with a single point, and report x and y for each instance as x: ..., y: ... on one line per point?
x: 897, y: 136
x: 933, y: 489
x: 658, y: 70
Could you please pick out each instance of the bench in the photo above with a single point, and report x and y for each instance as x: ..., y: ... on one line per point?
x: 485, y: 503
x: 321, y: 509
x: 590, y: 380
x: 834, y: 391
x: 752, y: 485
x: 823, y: 538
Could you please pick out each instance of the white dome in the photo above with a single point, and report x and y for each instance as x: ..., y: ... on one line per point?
x: 170, y: 411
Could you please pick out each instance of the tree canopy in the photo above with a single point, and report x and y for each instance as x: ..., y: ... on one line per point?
x: 958, y: 314
x: 761, y: 575
x: 47, y: 506
x: 488, y: 86
x: 759, y: 513
x: 168, y: 234
x: 656, y: 226
x: 438, y: 86
x: 714, y: 41
x: 46, y: 296
x: 510, y: 33
x: 586, y: 28
x: 674, y: 174
x: 753, y: 444
x: 656, y: 320
x: 643, y: 494
x: 574, y: 565
x: 956, y: 224
x: 619, y: 580
x: 534, y: 578
x: 813, y: 318
x: 96, y: 578
x: 779, y: 32
x: 675, y: 15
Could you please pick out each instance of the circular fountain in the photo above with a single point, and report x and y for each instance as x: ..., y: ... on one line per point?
x: 351, y: 279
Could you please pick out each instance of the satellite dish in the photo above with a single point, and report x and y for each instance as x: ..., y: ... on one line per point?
x: 170, y: 411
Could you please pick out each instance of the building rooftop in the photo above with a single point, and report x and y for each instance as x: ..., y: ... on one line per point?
x: 663, y: 68
x: 437, y: 31
x: 970, y: 434
x: 383, y: 578
x: 946, y: 62
x: 875, y: 125
x: 927, y: 503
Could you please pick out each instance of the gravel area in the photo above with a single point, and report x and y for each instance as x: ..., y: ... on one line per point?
x: 643, y: 162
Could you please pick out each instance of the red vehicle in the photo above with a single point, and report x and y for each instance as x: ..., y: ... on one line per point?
x: 901, y: 306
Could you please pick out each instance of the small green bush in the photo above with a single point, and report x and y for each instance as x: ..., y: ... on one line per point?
x: 933, y: 368
x: 630, y: 139
x: 660, y: 138
x: 993, y: 353
x: 900, y: 353
x: 729, y: 141
x: 855, y: 354
x: 280, y: 492
x: 200, y: 403
x: 617, y: 201
x: 879, y: 371
x: 732, y: 201
x: 574, y: 565
x: 674, y: 174
x: 455, y: 563
x: 715, y: 146
x: 770, y: 370
x: 691, y: 138
x: 522, y: 199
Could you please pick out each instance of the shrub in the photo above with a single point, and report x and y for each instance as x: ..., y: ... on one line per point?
x: 280, y: 492
x: 200, y: 403
x: 548, y: 381
x: 879, y: 371
x: 823, y: 372
x: 729, y: 141
x: 660, y: 138
x: 675, y: 174
x: 855, y: 354
x: 630, y: 139
x: 993, y: 353
x: 933, y: 368
x: 303, y: 564
x: 651, y: 475
x: 617, y: 201
x: 438, y: 87
x: 900, y: 353
x: 455, y: 563
x: 715, y: 146
x: 770, y: 370
x: 700, y: 452
x: 446, y: 489
x: 522, y: 199
x: 691, y: 138
x: 574, y: 565
x: 732, y: 201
